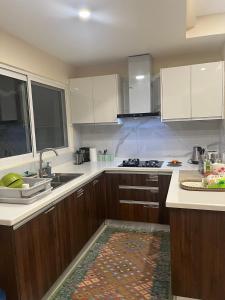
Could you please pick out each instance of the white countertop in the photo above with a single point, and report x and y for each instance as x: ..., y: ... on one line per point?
x: 11, y: 214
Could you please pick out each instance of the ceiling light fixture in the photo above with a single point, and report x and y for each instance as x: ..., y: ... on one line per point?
x: 84, y: 14
x: 140, y: 77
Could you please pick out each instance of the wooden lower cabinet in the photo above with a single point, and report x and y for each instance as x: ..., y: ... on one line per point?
x: 35, y: 254
x: 197, y: 254
x: 137, y: 197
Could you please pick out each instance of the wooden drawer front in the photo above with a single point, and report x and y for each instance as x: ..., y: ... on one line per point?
x: 138, y: 212
x: 139, y: 193
x: 139, y: 179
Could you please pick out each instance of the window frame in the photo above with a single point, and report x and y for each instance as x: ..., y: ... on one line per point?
x: 7, y: 162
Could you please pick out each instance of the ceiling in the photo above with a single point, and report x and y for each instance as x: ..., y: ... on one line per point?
x: 118, y: 28
x: 209, y: 7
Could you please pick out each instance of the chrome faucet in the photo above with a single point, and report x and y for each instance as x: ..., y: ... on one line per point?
x: 41, y: 161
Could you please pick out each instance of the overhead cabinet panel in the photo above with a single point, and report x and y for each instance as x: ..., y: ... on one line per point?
x: 95, y: 100
x: 207, y: 90
x: 176, y: 97
x: 81, y: 100
x: 193, y: 92
x: 105, y: 97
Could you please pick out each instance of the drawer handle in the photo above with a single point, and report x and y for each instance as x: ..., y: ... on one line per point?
x: 145, y: 203
x: 152, y: 206
x: 152, y: 189
x: 49, y: 210
x: 95, y: 181
x: 153, y: 178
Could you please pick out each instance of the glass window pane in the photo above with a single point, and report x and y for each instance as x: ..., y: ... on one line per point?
x: 49, y: 116
x: 14, y: 117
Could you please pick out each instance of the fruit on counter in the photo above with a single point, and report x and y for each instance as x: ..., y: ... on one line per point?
x: 12, y: 180
x: 174, y: 161
x: 215, y: 181
x: 1, y: 183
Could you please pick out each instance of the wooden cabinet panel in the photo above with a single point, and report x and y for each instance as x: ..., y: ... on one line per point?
x: 98, y: 193
x: 207, y: 90
x: 8, y: 282
x: 185, y: 254
x: 37, y: 255
x: 140, y: 195
x: 151, y: 180
x: 112, y: 204
x: 164, y: 183
x: 132, y: 212
x: 176, y: 93
x: 134, y: 197
x: 197, y: 253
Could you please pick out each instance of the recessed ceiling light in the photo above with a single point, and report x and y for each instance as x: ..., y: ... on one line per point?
x: 140, y: 77
x: 84, y: 14
x: 203, y: 69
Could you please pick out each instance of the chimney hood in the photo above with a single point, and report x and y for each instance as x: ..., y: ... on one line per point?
x: 140, y: 101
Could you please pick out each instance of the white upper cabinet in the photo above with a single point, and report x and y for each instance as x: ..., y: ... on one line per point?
x: 176, y: 102
x: 207, y: 90
x: 106, y: 98
x: 193, y: 92
x: 95, y: 99
x: 81, y: 100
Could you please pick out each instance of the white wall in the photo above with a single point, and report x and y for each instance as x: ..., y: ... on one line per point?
x: 19, y: 54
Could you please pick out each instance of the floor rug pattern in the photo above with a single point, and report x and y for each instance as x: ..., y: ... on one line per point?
x: 123, y: 264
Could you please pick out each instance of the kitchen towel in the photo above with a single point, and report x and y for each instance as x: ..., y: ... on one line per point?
x: 93, y: 154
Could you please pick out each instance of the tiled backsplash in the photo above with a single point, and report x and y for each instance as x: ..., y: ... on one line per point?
x: 149, y: 138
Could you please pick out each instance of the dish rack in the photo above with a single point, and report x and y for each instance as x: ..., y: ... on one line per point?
x: 38, y: 188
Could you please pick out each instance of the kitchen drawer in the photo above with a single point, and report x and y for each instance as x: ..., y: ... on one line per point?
x: 138, y: 212
x: 151, y: 179
x: 139, y: 193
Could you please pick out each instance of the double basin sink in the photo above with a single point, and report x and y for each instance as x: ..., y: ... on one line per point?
x: 58, y: 179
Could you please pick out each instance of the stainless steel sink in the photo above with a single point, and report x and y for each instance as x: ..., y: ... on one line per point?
x: 58, y: 179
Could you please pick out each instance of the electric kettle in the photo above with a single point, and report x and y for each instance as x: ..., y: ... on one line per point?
x: 197, y: 153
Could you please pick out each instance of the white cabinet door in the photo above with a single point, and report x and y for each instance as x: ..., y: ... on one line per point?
x: 105, y: 97
x: 81, y: 98
x: 176, y: 98
x: 207, y: 90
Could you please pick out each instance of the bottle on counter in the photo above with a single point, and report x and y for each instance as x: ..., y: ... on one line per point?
x: 207, y: 164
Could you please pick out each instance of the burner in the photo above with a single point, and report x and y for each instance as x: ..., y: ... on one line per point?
x: 135, y: 162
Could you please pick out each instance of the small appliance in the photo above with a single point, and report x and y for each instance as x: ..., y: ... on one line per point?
x: 136, y: 162
x: 86, y: 153
x: 197, y: 153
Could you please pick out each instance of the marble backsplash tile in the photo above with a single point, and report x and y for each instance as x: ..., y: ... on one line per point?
x: 149, y: 138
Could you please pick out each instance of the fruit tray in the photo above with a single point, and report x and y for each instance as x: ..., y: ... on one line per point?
x: 36, y: 185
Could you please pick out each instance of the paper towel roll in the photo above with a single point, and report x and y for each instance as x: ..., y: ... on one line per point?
x: 93, y: 154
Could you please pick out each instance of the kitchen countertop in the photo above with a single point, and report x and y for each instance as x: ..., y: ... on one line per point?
x: 12, y: 214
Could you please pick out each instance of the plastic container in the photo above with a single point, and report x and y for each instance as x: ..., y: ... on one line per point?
x: 36, y: 185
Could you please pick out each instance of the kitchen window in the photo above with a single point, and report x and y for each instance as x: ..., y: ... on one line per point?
x: 49, y: 116
x: 15, y: 136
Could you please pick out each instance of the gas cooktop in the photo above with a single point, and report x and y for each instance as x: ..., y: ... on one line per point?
x: 136, y: 162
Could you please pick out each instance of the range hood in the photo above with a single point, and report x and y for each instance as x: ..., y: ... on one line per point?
x: 140, y: 100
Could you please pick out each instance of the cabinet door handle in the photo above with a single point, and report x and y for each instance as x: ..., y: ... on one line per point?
x: 95, y: 181
x: 49, y: 210
x: 79, y: 195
